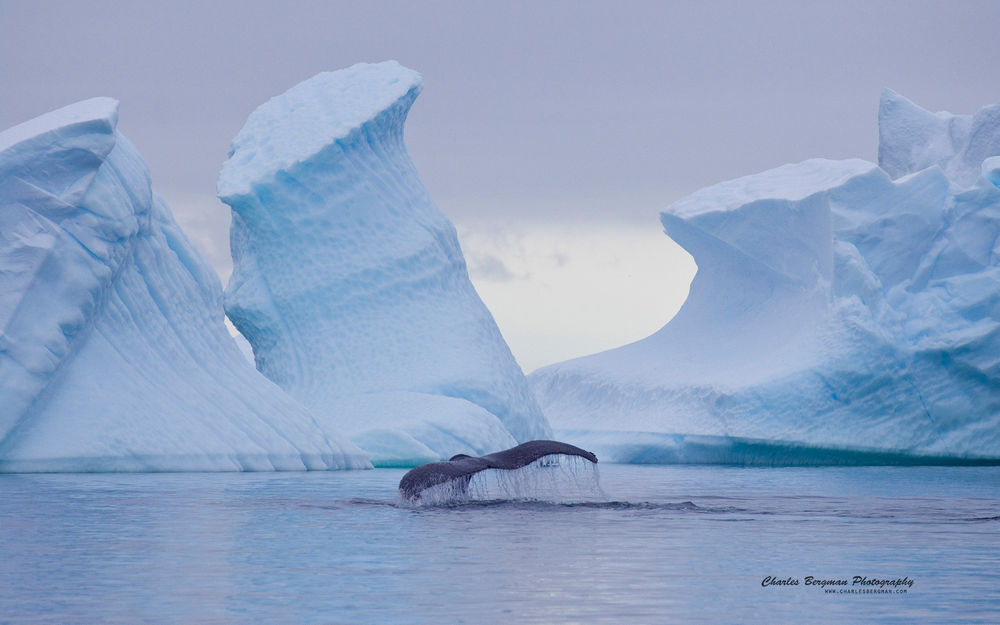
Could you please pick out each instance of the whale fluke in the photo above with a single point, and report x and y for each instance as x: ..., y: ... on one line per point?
x: 461, y: 468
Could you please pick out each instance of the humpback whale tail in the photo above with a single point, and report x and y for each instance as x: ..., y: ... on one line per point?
x: 460, y: 469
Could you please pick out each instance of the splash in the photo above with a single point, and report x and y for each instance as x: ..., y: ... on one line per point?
x: 556, y: 478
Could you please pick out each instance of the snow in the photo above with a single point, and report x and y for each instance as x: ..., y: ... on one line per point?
x: 405, y: 428
x: 296, y: 126
x: 113, y: 353
x: 349, y: 282
x: 911, y: 139
x: 843, y: 312
x: 838, y: 316
x: 991, y: 170
x: 792, y: 182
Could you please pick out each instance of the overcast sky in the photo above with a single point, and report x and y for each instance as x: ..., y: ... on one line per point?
x: 551, y: 133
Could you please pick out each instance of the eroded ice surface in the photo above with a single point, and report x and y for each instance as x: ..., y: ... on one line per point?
x: 911, y: 139
x: 113, y: 354
x: 838, y: 316
x: 349, y: 282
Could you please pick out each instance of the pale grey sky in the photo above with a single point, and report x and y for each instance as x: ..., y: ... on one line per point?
x: 541, y: 123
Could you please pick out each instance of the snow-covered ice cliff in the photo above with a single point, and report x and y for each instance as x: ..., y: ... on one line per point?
x: 349, y: 281
x: 842, y: 312
x: 113, y: 353
x: 911, y: 139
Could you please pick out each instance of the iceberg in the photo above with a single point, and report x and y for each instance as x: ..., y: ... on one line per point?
x: 842, y: 313
x: 349, y: 282
x: 911, y: 139
x: 113, y: 352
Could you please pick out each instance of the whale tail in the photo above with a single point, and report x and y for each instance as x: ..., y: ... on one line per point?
x: 459, y: 470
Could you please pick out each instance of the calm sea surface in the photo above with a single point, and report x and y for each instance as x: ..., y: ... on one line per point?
x: 667, y: 545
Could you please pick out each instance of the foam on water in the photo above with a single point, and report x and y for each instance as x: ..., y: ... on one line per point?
x: 556, y: 478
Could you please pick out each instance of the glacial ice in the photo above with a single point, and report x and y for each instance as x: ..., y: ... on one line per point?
x: 911, y: 139
x: 842, y: 313
x: 113, y: 353
x: 350, y: 284
x: 991, y: 170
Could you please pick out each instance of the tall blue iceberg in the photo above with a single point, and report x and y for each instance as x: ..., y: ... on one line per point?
x: 113, y: 353
x: 350, y: 284
x: 842, y: 312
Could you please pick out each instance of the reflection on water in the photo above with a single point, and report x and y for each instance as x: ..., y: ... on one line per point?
x: 665, y: 544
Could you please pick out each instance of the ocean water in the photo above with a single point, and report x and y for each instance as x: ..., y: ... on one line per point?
x: 662, y: 544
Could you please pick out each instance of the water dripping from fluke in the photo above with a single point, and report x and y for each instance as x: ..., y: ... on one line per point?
x: 547, y: 471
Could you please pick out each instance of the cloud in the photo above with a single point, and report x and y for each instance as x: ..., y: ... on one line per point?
x: 205, y: 220
x: 558, y: 291
x: 486, y: 267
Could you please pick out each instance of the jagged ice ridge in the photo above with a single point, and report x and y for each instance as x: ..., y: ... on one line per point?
x: 113, y: 353
x: 842, y: 312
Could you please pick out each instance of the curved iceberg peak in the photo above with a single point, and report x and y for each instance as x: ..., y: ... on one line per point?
x: 113, y: 354
x: 838, y: 316
x: 299, y: 124
x: 350, y: 284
